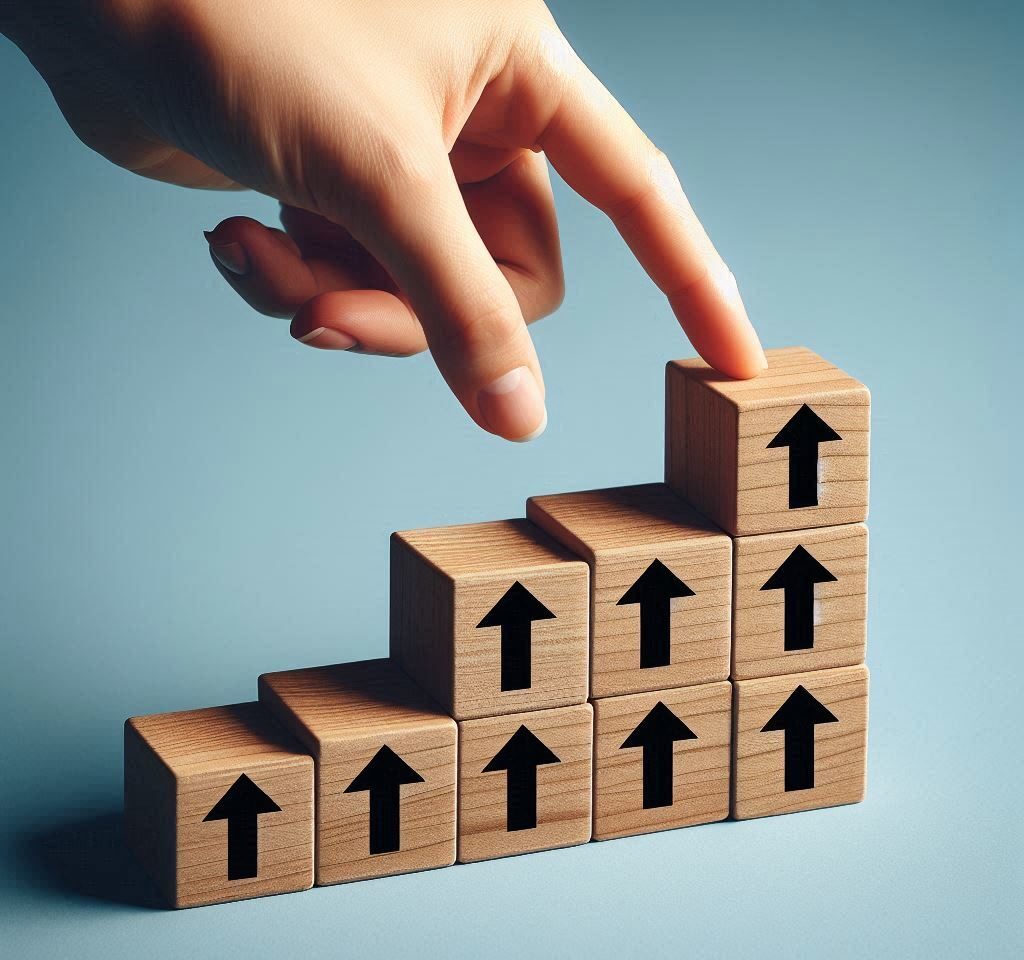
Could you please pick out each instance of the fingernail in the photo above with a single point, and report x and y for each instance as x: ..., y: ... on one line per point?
x: 327, y: 339
x: 231, y: 256
x: 512, y: 406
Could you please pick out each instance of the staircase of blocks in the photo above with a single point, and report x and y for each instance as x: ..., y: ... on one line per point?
x: 616, y: 662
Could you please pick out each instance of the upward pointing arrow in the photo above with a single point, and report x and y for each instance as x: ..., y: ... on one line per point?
x: 653, y: 591
x: 383, y: 777
x: 796, y: 578
x: 520, y: 758
x: 515, y: 613
x: 241, y: 806
x: 802, y: 435
x: 798, y: 717
x: 657, y: 733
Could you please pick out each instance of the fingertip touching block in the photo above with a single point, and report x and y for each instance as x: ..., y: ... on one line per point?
x: 218, y: 804
x: 661, y: 585
x: 799, y: 741
x: 661, y: 759
x: 800, y: 601
x: 386, y: 767
x: 490, y: 618
x: 784, y: 451
x: 525, y: 782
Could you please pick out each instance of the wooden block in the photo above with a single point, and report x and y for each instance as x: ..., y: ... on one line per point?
x: 524, y: 782
x: 785, y: 451
x: 218, y: 804
x: 490, y: 618
x: 660, y: 582
x: 800, y: 601
x: 385, y: 794
x: 799, y: 741
x: 661, y: 759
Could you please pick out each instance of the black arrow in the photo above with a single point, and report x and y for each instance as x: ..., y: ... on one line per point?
x: 383, y: 777
x: 520, y: 758
x: 657, y: 733
x: 654, y: 590
x: 515, y: 613
x: 802, y: 435
x: 798, y: 717
x: 240, y: 806
x: 796, y: 577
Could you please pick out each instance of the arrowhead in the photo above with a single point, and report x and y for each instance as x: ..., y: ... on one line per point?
x: 657, y: 582
x: 243, y: 798
x: 517, y: 606
x: 522, y: 750
x: 805, y: 427
x: 801, y: 709
x: 797, y: 570
x: 386, y: 769
x: 661, y: 725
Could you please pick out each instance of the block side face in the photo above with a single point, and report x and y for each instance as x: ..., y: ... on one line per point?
x: 393, y: 827
x: 422, y: 622
x: 555, y: 647
x: 207, y: 853
x: 661, y: 641
x: 711, y: 464
x: 629, y: 787
x: 562, y: 792
x: 799, y: 624
x: 826, y: 765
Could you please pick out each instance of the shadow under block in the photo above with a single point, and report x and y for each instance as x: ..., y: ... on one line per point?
x: 218, y: 804
x: 490, y: 618
x: 661, y: 585
x: 784, y: 451
x: 525, y: 782
x: 799, y: 741
x: 662, y: 759
x: 386, y: 764
x: 800, y: 601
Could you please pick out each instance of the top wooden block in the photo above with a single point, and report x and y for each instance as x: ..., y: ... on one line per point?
x: 787, y: 450
x: 490, y: 618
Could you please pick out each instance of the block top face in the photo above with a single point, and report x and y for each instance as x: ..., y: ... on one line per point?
x: 213, y: 739
x: 352, y: 700
x: 794, y: 374
x: 622, y: 518
x: 481, y: 548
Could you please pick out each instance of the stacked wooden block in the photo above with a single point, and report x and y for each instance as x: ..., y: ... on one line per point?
x: 621, y: 661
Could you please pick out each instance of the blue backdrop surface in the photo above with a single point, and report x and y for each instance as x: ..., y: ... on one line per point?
x: 188, y: 498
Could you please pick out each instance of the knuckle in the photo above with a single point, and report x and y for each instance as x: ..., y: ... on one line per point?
x: 480, y: 333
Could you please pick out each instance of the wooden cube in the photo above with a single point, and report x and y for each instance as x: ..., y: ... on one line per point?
x: 799, y: 741
x: 385, y: 794
x: 218, y: 804
x: 660, y: 581
x: 525, y: 782
x: 661, y: 759
x: 800, y: 601
x: 785, y: 451
x: 490, y: 618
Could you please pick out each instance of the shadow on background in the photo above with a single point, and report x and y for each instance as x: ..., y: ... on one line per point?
x: 84, y: 860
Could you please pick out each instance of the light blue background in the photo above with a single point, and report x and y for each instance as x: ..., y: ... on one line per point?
x: 187, y: 498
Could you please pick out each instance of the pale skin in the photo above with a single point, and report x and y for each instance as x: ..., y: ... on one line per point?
x: 408, y: 143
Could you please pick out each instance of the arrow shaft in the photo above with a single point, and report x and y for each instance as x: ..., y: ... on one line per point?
x: 803, y: 475
x: 799, y: 617
x: 243, y: 846
x: 521, y: 798
x: 385, y: 819
x: 515, y: 656
x: 655, y: 633
x: 658, y: 774
x: 799, y: 757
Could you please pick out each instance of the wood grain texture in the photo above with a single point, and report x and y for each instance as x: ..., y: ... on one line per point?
x: 840, y: 607
x: 700, y: 767
x: 444, y: 581
x: 344, y: 715
x: 179, y: 765
x: 840, y: 748
x: 717, y: 435
x: 563, y: 788
x: 620, y: 532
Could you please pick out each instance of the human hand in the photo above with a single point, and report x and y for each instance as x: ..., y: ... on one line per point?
x: 406, y: 142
